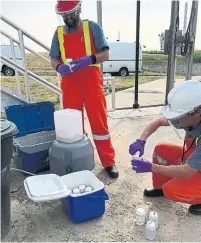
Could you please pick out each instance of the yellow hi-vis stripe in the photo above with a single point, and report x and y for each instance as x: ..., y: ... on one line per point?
x: 87, y: 40
x: 61, y: 43
x: 197, y: 140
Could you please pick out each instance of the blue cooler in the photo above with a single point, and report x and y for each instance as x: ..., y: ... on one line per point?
x: 84, y: 207
x: 35, y: 123
x: 80, y: 207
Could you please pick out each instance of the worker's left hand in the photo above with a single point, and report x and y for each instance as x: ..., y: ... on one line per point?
x: 141, y: 166
x: 81, y: 63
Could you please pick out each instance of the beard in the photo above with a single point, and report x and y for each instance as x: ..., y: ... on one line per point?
x: 72, y: 22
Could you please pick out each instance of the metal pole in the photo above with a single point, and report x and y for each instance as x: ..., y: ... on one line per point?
x: 113, y: 93
x: 136, y: 104
x: 99, y: 19
x: 185, y: 17
x: 16, y: 71
x: 26, y: 78
x: 172, y: 49
x: 194, y: 14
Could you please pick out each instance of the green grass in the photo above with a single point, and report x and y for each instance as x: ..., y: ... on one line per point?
x: 157, y: 58
x: 41, y: 93
x: 197, y: 56
x: 38, y: 65
x: 38, y: 92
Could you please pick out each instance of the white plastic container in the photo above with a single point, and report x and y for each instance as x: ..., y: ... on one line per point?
x: 140, y: 216
x: 68, y: 125
x: 153, y: 216
x: 150, y: 230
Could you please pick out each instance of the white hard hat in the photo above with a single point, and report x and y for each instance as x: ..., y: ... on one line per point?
x: 183, y: 99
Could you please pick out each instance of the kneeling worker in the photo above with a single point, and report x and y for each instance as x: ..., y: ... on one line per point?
x: 176, y: 170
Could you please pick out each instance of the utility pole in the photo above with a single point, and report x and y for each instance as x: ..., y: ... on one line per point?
x: 192, y: 30
x: 99, y: 19
x: 185, y: 18
x: 118, y: 36
x: 172, y: 48
x: 136, y: 103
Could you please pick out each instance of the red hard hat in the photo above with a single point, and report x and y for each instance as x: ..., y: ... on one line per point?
x: 67, y: 6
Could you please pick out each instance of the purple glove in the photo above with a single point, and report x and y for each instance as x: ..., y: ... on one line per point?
x: 64, y: 69
x: 81, y: 63
x: 137, y: 146
x: 141, y: 166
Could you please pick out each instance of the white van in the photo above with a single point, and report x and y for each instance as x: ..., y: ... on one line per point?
x: 6, y: 51
x: 122, y: 59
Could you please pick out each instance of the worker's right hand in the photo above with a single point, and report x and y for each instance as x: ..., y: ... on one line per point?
x: 137, y: 146
x: 64, y: 69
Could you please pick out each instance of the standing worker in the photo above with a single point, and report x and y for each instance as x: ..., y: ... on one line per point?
x: 176, y: 170
x: 78, y: 47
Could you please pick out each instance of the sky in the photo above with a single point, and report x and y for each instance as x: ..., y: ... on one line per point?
x: 38, y: 18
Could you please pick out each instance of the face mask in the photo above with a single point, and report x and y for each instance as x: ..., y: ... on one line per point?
x: 175, y: 124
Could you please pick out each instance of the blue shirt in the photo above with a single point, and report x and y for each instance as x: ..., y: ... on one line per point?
x: 194, y: 160
x: 98, y: 38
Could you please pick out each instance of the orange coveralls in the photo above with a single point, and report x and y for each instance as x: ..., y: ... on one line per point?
x: 86, y: 87
x: 176, y: 189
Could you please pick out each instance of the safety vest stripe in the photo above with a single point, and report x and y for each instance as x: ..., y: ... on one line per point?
x: 160, y: 160
x: 197, y: 139
x: 87, y: 37
x: 87, y: 41
x: 61, y: 43
x: 101, y: 137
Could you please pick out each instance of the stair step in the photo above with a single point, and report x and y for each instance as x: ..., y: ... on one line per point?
x: 10, y: 97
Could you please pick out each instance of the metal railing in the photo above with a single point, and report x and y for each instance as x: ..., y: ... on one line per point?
x: 30, y: 75
x: 24, y: 69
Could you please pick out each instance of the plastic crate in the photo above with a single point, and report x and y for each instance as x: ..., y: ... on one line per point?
x: 35, y: 122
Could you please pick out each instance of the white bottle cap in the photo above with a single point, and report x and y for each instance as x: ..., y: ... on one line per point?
x: 82, y: 188
x: 88, y: 189
x: 151, y: 226
x: 76, y: 191
x: 153, y: 216
x: 140, y: 211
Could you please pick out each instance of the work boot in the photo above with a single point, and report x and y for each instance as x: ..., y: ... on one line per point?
x: 153, y: 193
x: 112, y: 171
x: 195, y: 209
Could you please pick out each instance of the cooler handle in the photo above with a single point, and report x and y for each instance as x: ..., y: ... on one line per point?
x: 98, y: 198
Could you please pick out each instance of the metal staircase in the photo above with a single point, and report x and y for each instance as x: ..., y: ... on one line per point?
x: 16, y: 96
x: 10, y: 96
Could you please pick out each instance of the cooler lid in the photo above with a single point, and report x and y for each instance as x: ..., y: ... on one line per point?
x: 45, y: 187
x: 31, y: 118
x: 8, y: 129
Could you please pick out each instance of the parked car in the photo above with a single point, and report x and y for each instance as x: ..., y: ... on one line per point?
x: 6, y: 51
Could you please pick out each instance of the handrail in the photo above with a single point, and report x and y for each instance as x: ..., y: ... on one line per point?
x: 27, y: 48
x: 15, y: 26
x: 21, y: 33
x: 32, y: 75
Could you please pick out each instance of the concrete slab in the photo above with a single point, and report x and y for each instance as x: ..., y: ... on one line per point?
x: 47, y: 222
